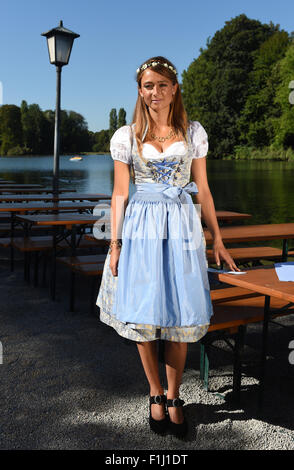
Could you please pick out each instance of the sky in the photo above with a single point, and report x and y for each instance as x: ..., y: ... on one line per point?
x: 115, y: 38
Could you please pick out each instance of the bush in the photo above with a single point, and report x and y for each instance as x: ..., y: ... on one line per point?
x: 15, y: 151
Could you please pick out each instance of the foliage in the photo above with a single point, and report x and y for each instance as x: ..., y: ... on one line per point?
x: 112, y: 122
x: 10, y: 127
x: 121, y: 118
x: 217, y: 85
x: 27, y: 130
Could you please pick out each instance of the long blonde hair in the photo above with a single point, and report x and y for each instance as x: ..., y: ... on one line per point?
x: 177, y: 117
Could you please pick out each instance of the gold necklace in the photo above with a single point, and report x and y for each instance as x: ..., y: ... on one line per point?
x: 163, y: 139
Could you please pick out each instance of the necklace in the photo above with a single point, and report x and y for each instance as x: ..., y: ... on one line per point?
x: 163, y: 139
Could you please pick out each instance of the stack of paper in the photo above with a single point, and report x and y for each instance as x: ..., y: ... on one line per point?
x: 285, y: 271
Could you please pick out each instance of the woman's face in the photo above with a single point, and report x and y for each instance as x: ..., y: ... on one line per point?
x: 156, y: 90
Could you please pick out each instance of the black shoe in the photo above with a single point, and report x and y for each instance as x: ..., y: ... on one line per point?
x: 178, y: 430
x: 157, y: 426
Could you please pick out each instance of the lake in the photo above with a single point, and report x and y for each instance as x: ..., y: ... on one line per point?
x: 264, y: 189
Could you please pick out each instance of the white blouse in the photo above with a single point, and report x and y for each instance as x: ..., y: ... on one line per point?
x: 121, y: 145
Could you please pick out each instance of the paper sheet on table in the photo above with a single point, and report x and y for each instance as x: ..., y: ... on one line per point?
x: 285, y: 271
x: 213, y: 270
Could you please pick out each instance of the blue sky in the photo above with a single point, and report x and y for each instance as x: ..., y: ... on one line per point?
x: 115, y: 38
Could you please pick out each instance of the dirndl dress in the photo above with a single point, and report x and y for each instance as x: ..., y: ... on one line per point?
x: 162, y: 289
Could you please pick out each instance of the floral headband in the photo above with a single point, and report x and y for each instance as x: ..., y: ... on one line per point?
x: 152, y: 64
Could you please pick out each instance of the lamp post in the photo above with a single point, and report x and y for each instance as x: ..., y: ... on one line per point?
x: 59, y: 41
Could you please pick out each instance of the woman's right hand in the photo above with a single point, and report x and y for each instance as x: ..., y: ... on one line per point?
x: 114, y: 257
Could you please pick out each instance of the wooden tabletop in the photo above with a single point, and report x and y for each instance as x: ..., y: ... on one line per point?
x: 39, y: 206
x: 67, y: 219
x: 8, y: 184
x: 33, y: 190
x: 51, y: 197
x: 231, y: 215
x: 221, y: 215
x: 249, y: 233
x: 261, y: 279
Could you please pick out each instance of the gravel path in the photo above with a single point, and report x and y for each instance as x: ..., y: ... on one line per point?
x: 70, y: 382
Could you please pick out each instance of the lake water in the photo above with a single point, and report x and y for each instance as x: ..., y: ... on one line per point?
x: 264, y: 189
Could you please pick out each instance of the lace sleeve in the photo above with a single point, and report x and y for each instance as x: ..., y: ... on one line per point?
x: 120, y: 145
x: 199, y: 139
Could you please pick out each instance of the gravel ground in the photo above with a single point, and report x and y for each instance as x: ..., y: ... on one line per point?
x: 70, y: 382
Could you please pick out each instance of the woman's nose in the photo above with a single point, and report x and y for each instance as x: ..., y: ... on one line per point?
x: 156, y: 90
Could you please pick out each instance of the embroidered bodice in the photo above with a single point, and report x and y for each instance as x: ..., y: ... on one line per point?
x: 173, y: 166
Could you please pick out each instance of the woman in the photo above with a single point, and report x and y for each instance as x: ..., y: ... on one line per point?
x: 155, y: 283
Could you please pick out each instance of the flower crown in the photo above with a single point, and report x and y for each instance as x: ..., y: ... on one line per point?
x: 152, y: 64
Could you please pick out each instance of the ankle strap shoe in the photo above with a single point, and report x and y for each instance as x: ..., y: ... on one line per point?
x: 157, y: 426
x: 177, y: 430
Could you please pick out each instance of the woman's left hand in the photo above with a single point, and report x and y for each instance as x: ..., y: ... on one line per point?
x: 220, y: 252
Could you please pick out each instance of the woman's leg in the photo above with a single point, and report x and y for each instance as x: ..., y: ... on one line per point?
x: 175, y: 359
x: 149, y: 357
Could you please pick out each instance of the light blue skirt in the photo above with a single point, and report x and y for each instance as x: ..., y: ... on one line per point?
x: 162, y: 272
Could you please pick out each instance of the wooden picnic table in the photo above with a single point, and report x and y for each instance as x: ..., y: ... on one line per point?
x: 230, y: 216
x: 25, y: 207
x: 263, y: 280
x: 72, y: 196
x: 68, y: 222
x: 30, y: 190
x: 252, y: 233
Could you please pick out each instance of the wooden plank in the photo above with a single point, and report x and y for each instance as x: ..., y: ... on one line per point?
x: 247, y: 233
x: 85, y: 259
x: 261, y: 279
x: 250, y: 253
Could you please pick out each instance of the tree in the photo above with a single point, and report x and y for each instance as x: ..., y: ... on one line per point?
x: 101, y: 141
x: 121, y: 118
x: 112, y: 122
x: 255, y: 121
x: 284, y: 123
x: 34, y: 128
x: 215, y: 86
x: 10, y: 128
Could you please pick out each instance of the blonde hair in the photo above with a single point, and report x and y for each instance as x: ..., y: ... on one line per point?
x: 177, y: 117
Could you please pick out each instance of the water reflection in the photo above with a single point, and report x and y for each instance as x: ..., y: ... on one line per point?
x: 261, y: 188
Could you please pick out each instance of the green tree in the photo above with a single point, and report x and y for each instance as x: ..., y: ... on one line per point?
x: 101, y: 141
x: 74, y: 135
x: 121, y: 118
x: 255, y: 119
x: 112, y: 122
x: 34, y: 128
x: 10, y: 128
x: 284, y: 124
x: 215, y: 86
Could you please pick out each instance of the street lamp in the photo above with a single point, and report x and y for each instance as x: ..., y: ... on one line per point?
x: 59, y: 42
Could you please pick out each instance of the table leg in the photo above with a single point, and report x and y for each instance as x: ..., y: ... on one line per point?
x: 11, y: 241
x: 266, y: 318
x: 239, y: 343
x: 53, y: 264
x: 285, y: 250
x: 72, y: 273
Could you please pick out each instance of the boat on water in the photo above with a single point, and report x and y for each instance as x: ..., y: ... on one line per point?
x: 76, y: 159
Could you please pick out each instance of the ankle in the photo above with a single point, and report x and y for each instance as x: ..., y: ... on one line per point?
x: 170, y: 395
x: 156, y: 391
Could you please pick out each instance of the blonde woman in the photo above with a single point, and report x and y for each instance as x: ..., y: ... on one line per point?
x: 155, y: 283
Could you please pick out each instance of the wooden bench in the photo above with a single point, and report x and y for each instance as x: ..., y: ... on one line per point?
x: 248, y: 254
x: 92, y: 270
x: 37, y: 245
x: 234, y: 309
x: 86, y: 265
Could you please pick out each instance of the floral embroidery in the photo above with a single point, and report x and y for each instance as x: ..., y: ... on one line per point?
x: 163, y: 170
